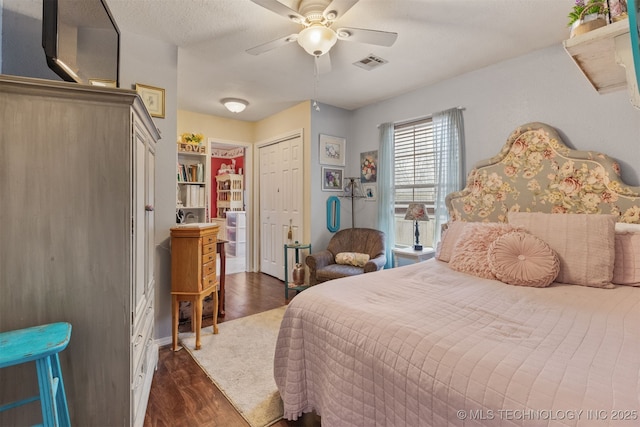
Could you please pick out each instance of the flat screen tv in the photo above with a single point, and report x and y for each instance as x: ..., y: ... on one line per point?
x: 81, y: 41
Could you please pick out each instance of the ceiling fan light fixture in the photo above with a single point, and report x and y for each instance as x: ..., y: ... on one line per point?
x: 331, y: 15
x: 317, y: 39
x: 235, y: 105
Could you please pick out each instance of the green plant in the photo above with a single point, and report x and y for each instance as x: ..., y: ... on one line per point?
x: 192, y: 138
x: 580, y: 9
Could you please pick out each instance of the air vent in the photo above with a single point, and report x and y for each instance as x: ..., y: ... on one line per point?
x: 370, y: 62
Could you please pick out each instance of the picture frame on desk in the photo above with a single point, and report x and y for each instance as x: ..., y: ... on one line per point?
x: 153, y: 99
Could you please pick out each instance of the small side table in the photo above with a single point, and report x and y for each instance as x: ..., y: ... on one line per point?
x: 407, y: 256
x: 297, y: 247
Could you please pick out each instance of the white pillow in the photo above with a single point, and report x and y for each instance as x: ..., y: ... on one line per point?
x: 352, y: 258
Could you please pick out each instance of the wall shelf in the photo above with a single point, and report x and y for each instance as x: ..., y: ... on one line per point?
x: 604, y: 57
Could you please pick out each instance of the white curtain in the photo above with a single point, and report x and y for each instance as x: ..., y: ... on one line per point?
x: 448, y: 133
x: 386, y: 196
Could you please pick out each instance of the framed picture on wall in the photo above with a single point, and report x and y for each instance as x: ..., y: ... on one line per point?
x: 332, y: 179
x: 332, y: 150
x: 370, y: 192
x: 369, y: 166
x: 153, y: 99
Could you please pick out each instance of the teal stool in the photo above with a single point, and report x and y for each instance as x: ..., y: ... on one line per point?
x: 42, y: 345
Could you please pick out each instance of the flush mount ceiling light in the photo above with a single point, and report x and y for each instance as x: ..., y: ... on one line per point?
x: 235, y: 105
x: 317, y: 39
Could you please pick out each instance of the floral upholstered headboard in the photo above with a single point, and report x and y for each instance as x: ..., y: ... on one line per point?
x: 536, y: 172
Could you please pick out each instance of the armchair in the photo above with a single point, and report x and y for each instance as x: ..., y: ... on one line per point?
x: 323, y: 267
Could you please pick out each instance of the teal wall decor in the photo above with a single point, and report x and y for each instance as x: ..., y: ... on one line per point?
x: 333, y: 214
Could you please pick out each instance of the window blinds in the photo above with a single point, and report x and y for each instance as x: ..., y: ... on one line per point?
x: 414, y: 164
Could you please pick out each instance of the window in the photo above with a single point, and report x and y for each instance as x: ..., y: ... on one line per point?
x: 415, y: 177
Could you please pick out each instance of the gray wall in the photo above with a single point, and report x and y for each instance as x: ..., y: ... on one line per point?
x: 22, y: 52
x: 142, y: 60
x: 332, y: 121
x: 543, y: 86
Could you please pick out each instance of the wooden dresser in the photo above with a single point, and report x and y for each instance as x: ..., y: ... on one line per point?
x: 193, y: 274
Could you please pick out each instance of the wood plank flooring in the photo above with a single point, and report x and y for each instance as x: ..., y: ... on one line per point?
x: 181, y: 393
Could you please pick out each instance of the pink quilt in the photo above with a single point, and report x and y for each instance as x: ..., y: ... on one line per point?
x: 423, y: 345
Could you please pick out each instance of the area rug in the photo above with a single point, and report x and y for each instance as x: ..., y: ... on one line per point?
x: 239, y: 360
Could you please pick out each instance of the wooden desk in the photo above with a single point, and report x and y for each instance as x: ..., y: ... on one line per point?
x: 193, y: 274
x: 223, y: 261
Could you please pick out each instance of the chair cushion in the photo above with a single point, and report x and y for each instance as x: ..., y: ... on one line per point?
x: 335, y: 271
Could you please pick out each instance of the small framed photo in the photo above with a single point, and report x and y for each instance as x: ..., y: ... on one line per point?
x: 370, y: 192
x: 332, y: 150
x: 153, y: 98
x: 332, y: 179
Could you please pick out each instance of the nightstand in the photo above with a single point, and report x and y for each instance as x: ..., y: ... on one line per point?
x: 406, y: 256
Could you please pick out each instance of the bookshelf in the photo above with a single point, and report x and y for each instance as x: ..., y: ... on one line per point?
x: 192, y: 183
x: 230, y: 190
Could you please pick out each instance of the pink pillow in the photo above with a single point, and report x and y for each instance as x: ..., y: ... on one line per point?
x: 449, y: 239
x: 470, y: 251
x: 585, y: 244
x: 521, y: 259
x: 626, y: 269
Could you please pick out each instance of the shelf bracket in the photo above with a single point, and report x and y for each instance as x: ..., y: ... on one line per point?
x: 624, y: 58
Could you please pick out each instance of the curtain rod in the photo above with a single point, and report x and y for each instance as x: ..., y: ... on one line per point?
x: 416, y: 118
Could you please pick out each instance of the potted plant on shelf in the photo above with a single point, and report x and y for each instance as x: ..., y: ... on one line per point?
x: 587, y: 15
x: 192, y: 138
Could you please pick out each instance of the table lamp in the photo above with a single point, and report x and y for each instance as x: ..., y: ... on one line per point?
x: 417, y: 212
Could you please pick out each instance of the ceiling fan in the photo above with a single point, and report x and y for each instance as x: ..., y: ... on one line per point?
x: 317, y: 37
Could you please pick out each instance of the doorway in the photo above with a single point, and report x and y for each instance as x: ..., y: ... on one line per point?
x: 230, y: 200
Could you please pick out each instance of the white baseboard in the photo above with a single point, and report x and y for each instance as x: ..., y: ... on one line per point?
x: 163, y: 341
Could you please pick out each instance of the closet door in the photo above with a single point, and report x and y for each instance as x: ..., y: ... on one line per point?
x: 281, y: 201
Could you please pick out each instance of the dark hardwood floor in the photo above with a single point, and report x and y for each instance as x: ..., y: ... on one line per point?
x: 183, y: 395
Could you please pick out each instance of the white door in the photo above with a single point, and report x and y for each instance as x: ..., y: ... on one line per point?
x: 281, y: 183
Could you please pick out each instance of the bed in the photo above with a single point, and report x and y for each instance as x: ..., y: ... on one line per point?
x: 433, y: 345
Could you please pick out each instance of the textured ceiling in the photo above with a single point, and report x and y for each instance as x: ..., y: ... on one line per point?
x: 437, y: 39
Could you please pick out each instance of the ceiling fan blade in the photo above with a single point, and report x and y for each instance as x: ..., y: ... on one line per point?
x: 273, y: 44
x: 337, y: 8
x: 276, y: 7
x: 323, y: 64
x: 380, y: 38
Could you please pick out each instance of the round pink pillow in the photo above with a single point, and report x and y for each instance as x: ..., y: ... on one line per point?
x: 519, y: 258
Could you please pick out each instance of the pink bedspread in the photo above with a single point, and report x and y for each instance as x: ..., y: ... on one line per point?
x: 423, y: 345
